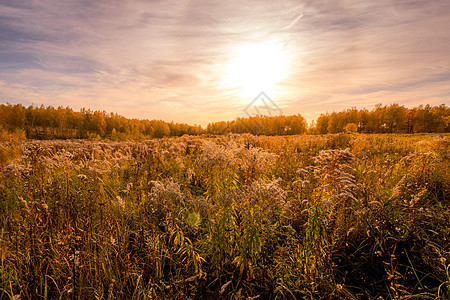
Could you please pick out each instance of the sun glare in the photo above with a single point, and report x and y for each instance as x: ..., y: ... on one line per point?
x: 255, y: 68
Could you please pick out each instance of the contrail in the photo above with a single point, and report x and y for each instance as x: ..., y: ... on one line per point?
x: 293, y: 22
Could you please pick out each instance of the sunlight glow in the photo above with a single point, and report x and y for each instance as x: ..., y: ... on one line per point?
x: 255, y: 68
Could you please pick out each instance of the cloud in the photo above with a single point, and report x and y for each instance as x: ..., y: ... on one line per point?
x: 292, y: 24
x: 165, y: 59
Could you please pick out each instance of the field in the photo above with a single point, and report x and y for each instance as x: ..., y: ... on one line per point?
x: 344, y: 216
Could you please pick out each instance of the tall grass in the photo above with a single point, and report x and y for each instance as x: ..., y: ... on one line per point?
x: 237, y: 216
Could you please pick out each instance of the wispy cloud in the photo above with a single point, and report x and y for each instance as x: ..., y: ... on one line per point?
x: 166, y: 59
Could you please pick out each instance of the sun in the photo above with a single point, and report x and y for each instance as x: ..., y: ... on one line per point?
x: 254, y: 68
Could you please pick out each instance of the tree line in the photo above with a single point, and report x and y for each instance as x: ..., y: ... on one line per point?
x: 64, y: 123
x: 261, y: 125
x: 47, y: 122
x: 392, y: 118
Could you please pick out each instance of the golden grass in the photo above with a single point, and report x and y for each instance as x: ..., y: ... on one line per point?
x: 235, y: 217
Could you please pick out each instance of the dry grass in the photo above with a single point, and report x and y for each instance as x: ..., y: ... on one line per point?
x: 234, y: 217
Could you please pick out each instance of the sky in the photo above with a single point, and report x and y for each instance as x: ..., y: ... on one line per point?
x: 198, y: 61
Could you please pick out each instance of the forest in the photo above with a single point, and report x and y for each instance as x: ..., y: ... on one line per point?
x: 47, y: 122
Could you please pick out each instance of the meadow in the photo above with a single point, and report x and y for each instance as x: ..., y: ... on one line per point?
x: 343, y: 216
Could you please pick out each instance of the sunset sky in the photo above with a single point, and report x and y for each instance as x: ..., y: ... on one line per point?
x: 203, y: 61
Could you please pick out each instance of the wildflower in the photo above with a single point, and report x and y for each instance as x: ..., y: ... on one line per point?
x: 269, y: 190
x: 215, y: 155
x: 165, y: 198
